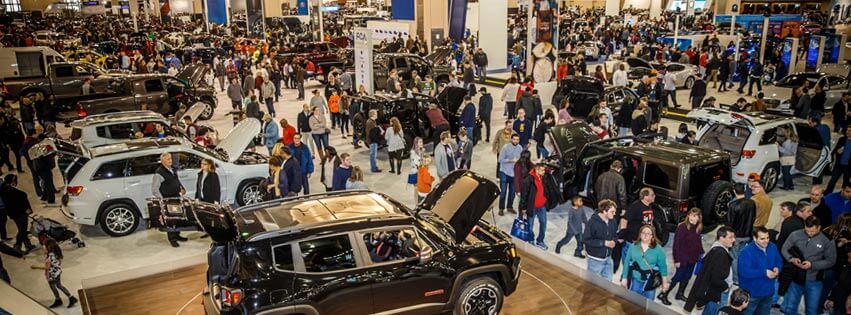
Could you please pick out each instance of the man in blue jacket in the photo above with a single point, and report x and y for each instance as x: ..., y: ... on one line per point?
x: 301, y: 153
x: 759, y: 265
x: 468, y: 116
x: 839, y: 202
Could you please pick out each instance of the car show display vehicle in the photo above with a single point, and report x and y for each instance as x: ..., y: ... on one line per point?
x: 833, y: 84
x: 62, y: 80
x: 684, y: 74
x: 323, y: 55
x: 335, y: 252
x: 160, y: 93
x: 108, y: 185
x: 751, y: 139
x: 118, y: 127
x: 682, y: 176
x: 586, y: 92
x: 410, y: 110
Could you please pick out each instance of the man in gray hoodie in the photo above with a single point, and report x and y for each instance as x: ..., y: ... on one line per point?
x: 811, y: 253
x: 235, y: 94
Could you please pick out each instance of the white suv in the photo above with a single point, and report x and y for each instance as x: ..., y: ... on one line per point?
x: 118, y: 127
x: 751, y: 140
x: 108, y: 185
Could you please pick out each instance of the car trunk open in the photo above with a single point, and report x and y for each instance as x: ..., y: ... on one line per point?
x: 727, y: 138
x: 460, y: 200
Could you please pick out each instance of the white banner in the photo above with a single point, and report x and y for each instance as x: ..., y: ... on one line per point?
x: 363, y: 58
x: 389, y: 30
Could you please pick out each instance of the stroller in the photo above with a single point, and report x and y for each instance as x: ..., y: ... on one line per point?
x: 44, y: 228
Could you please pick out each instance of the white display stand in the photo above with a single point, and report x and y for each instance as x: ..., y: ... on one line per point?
x: 493, y: 19
x: 363, y: 59
x: 793, y: 61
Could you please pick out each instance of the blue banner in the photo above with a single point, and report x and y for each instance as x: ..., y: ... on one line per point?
x: 402, y: 9
x: 302, y: 7
x: 457, y: 19
x: 217, y: 12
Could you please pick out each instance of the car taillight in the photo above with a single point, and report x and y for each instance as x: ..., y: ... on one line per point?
x: 231, y: 297
x: 683, y: 206
x: 74, y: 190
x: 81, y: 111
x: 748, y: 154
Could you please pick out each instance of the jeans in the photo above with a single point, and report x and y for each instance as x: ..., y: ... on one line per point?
x: 734, y: 252
x: 512, y: 111
x: 838, y: 170
x: 277, y: 89
x: 602, y: 268
x: 57, y: 284
x: 482, y: 72
x: 758, y: 85
x: 786, y: 170
x: 623, y: 131
x: 712, y: 307
x: 542, y: 151
x: 638, y: 287
x: 541, y: 215
x: 305, y: 185
x: 373, y: 152
x: 811, y: 292
x: 321, y: 141
x: 759, y: 306
x: 470, y: 133
x: 566, y: 239
x: 270, y: 106
x: 506, y: 191
x: 683, y: 274
x: 236, y: 104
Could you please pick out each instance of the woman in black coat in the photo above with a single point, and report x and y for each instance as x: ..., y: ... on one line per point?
x: 207, y: 188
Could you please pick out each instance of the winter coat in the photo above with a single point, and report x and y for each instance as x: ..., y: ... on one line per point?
x: 711, y: 280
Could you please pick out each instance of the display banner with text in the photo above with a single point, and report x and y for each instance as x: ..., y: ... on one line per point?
x: 363, y: 58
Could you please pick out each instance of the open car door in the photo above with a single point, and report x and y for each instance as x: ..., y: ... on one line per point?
x: 813, y: 154
x: 460, y: 200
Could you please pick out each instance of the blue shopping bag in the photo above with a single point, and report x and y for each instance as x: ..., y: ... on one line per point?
x: 520, y: 228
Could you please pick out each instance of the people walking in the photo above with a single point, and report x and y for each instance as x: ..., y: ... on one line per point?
x: 537, y: 197
x: 319, y: 130
x: 687, y: 251
x: 53, y: 272
x: 577, y: 218
x: 714, y: 279
x: 485, y: 110
x: 395, y: 138
x: 600, y: 237
x: 444, y: 155
x: 644, y: 258
x: 508, y: 156
x: 270, y: 132
x: 302, y: 155
x: 18, y: 209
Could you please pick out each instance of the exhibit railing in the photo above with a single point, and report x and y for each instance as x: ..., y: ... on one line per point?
x: 13, y: 301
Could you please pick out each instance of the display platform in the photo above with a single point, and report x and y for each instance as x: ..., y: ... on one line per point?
x: 543, y: 289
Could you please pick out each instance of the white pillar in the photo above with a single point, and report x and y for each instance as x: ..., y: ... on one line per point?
x: 493, y: 21
x: 762, y: 41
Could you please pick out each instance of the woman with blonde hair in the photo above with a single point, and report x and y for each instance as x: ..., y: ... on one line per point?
x: 687, y: 251
x: 787, y: 147
x: 395, y: 138
x: 356, y: 182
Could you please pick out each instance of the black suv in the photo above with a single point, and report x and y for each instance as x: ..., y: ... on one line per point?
x: 586, y: 92
x: 410, y: 111
x: 682, y: 176
x: 360, y: 252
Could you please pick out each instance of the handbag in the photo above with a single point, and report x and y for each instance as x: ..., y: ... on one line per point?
x: 697, y: 265
x: 520, y: 228
x: 787, y: 160
x: 654, y: 277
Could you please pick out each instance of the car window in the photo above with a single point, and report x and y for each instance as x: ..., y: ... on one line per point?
x: 768, y: 137
x: 392, y: 245
x: 282, y: 257
x: 155, y: 85
x: 63, y: 72
x: 186, y: 161
x: 120, y: 131
x: 114, y: 169
x: 144, y: 165
x: 676, y: 68
x: 327, y: 254
x: 401, y: 62
x: 661, y: 176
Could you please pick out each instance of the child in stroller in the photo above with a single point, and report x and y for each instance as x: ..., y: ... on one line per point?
x: 44, y: 228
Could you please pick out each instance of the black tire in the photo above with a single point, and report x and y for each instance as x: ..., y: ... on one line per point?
x: 770, y: 176
x: 119, y: 219
x: 207, y: 114
x: 479, y: 296
x: 716, y: 201
x: 249, y: 192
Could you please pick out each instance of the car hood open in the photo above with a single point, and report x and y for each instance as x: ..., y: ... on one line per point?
x: 452, y: 97
x: 460, y: 200
x: 193, y: 74
x: 239, y: 138
x: 638, y: 63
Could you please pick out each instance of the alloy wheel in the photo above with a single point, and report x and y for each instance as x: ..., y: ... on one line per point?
x: 120, y: 220
x: 482, y: 300
x: 722, y: 204
x: 251, y: 194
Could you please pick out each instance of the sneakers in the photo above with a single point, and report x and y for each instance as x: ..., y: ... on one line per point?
x: 579, y: 255
x: 174, y: 244
x: 56, y: 303
x: 71, y: 301
x: 180, y: 238
x: 542, y: 246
